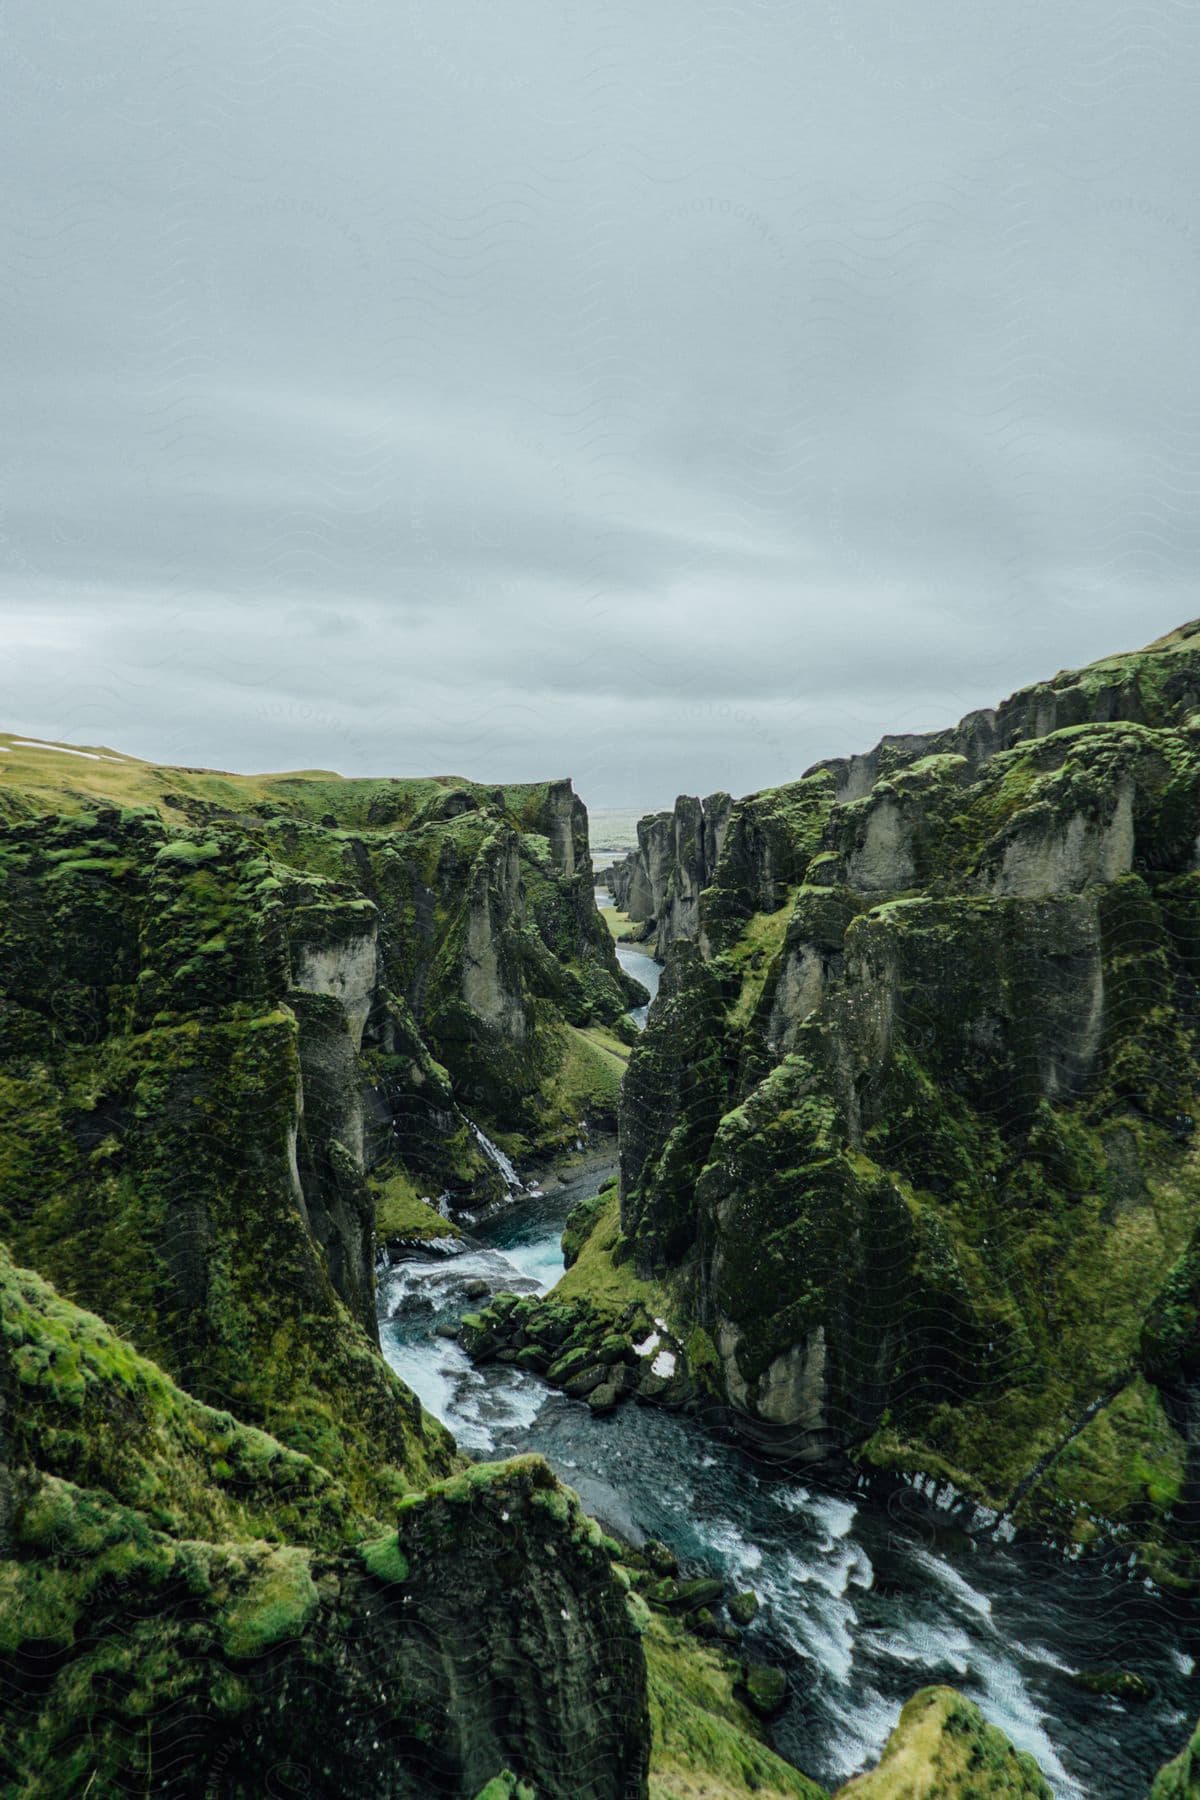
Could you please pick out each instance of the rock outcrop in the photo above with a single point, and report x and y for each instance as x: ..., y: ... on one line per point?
x: 944, y: 1749
x: 188, y: 1606
x: 916, y: 1109
x: 660, y: 883
x: 236, y: 1016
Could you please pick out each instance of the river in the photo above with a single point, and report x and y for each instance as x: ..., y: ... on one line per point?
x: 862, y: 1602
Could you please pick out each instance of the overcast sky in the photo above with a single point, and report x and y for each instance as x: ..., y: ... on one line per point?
x: 666, y: 395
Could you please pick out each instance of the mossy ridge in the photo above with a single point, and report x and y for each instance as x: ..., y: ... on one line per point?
x: 944, y: 1749
x: 705, y: 1744
x: 414, y: 850
x: 149, y: 1028
x: 988, y: 1265
x: 208, y: 1581
x: 54, y: 779
x: 1158, y: 686
x: 989, y: 974
x: 88, y: 1408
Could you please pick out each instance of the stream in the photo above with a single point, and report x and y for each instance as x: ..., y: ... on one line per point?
x: 862, y: 1602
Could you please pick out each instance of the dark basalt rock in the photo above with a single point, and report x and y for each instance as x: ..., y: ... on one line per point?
x: 1115, y: 1684
x: 743, y: 1608
x: 764, y: 1689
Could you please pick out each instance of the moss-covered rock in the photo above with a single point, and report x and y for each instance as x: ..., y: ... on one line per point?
x: 909, y: 1137
x: 944, y: 1749
x: 706, y: 1741
x: 1180, y: 1778
x: 743, y: 1607
x: 185, y: 1600
x: 764, y: 1689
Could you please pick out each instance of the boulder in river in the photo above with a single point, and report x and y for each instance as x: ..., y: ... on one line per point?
x: 743, y: 1608
x: 763, y: 1688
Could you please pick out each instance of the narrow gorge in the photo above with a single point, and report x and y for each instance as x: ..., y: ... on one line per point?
x: 480, y: 1324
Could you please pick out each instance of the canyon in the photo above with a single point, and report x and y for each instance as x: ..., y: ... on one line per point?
x: 891, y: 1191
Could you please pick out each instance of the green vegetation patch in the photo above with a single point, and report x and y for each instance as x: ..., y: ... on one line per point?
x: 401, y: 1213
x: 944, y: 1749
x: 603, y: 1273
x: 704, y: 1744
x: 279, y: 1602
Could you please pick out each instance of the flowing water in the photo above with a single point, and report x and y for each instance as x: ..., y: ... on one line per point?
x: 863, y: 1603
x: 636, y: 962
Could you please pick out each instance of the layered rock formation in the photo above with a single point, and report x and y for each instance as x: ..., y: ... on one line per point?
x: 236, y: 1017
x: 910, y: 1137
x: 659, y: 884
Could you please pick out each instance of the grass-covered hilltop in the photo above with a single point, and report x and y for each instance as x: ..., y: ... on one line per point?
x: 909, y: 1148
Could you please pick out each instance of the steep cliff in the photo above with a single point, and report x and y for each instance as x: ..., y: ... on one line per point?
x: 187, y: 1606
x: 910, y: 1136
x: 239, y: 1019
x: 660, y: 883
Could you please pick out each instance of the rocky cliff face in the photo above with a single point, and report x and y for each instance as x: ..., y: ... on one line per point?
x: 912, y: 1126
x: 187, y: 1605
x: 233, y: 1013
x: 660, y: 882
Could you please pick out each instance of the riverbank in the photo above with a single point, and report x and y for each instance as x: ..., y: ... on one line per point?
x: 862, y: 1602
x: 868, y: 1589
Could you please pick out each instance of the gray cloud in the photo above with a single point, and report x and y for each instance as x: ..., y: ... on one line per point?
x: 666, y: 396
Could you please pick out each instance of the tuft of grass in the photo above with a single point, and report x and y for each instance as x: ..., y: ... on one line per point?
x: 402, y: 1213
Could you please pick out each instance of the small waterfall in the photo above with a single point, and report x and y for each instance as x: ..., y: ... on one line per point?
x: 512, y: 1180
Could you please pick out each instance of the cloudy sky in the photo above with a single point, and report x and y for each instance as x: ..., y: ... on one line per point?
x: 662, y: 394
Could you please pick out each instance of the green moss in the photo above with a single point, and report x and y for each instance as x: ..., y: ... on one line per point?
x: 1128, y: 1458
x: 588, y: 1077
x: 95, y: 1412
x: 758, y: 943
x: 603, y: 1276
x: 506, y: 1786
x: 704, y: 1742
x: 1180, y: 1778
x: 944, y: 1749
x: 279, y: 1603
x: 402, y: 1213
x: 383, y: 1558
x: 580, y: 1223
